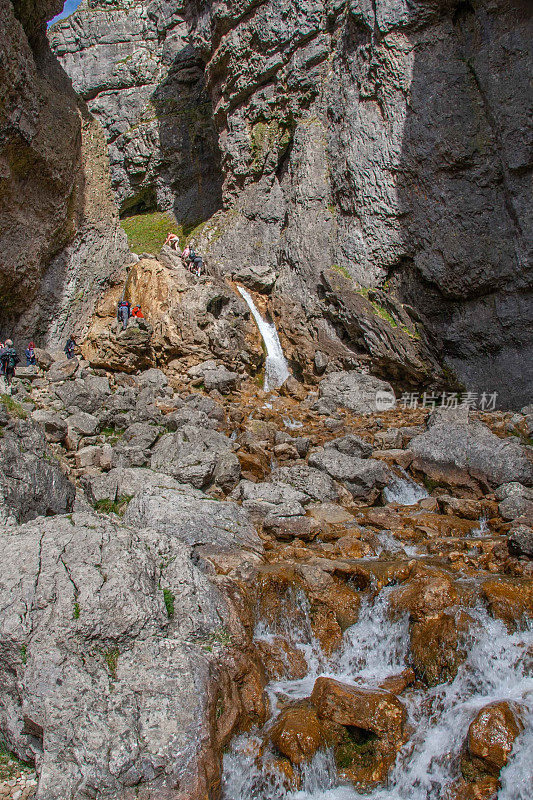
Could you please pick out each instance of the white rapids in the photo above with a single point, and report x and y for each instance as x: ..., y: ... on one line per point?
x: 276, y: 369
x: 496, y: 668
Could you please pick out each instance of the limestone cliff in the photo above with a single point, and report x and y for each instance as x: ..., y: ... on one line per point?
x: 144, y: 82
x: 59, y: 233
x: 384, y: 142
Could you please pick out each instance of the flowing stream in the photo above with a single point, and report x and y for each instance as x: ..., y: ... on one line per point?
x: 276, y: 369
x: 496, y: 668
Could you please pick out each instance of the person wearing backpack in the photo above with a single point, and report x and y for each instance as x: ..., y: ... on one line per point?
x: 195, y: 261
x: 70, y: 347
x: 124, y: 313
x: 10, y: 360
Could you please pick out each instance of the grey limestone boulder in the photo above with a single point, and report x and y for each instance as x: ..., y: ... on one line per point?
x: 110, y: 638
x: 197, y: 456
x: 360, y: 393
x: 55, y: 427
x: 473, y: 448
x: 363, y: 477
x: 314, y: 483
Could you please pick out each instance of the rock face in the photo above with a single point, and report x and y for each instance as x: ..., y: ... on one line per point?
x: 143, y: 80
x: 59, y: 233
x: 115, y: 644
x: 374, y: 158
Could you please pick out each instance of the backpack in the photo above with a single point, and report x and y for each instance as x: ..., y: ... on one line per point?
x: 10, y: 358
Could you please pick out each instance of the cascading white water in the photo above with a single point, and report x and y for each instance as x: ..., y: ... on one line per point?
x: 276, y: 369
x: 403, y: 490
x: 496, y: 668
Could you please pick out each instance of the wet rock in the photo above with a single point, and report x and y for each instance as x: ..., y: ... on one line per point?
x: 287, y: 528
x: 509, y: 600
x: 426, y: 593
x: 490, y: 738
x: 436, y: 646
x: 398, y: 683
x: 197, y: 456
x: 473, y: 449
x: 520, y: 541
x: 364, y: 478
x: 281, y: 659
x: 298, y: 733
x: 353, y: 390
x: 371, y: 709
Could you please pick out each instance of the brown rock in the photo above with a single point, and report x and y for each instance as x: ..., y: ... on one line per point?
x: 491, y: 736
x: 398, y: 683
x: 281, y: 660
x: 297, y: 733
x: 373, y: 710
x: 427, y: 593
x: 435, y: 647
x: 508, y: 599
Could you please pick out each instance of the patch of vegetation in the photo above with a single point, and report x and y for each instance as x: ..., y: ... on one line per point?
x: 13, y: 408
x: 169, y: 598
x: 221, y: 637
x: 24, y: 654
x: 10, y: 765
x: 118, y: 506
x: 342, y: 271
x: 412, y: 334
x: 76, y: 612
x: 430, y: 484
x: 111, y: 660
x: 112, y: 434
x: 382, y: 313
x: 147, y: 232
x: 356, y: 749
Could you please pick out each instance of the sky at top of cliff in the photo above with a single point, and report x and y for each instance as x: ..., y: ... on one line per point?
x: 68, y: 9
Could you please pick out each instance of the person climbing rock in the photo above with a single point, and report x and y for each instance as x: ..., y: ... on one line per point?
x: 70, y: 347
x: 137, y: 312
x: 9, y: 359
x: 185, y: 256
x: 172, y: 241
x: 195, y: 261
x: 31, y: 360
x: 1, y: 365
x: 124, y: 313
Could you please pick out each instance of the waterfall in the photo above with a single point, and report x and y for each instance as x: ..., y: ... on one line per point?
x: 276, y: 369
x: 403, y: 490
x: 496, y: 668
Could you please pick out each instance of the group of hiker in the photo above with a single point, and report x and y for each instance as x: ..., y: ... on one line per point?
x: 125, y: 310
x: 191, y: 259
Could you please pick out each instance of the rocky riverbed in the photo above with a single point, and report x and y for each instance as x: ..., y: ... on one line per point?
x: 335, y: 597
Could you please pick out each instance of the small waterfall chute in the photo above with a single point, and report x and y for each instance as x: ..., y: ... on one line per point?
x: 276, y: 369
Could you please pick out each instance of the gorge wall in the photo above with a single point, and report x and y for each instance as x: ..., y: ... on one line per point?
x: 363, y: 146
x: 60, y: 237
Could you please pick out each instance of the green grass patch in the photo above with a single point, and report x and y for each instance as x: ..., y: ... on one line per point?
x: 147, y: 232
x: 76, y: 611
x: 111, y: 660
x: 342, y: 271
x: 24, y: 653
x: 356, y: 749
x: 382, y: 313
x: 118, y: 506
x: 10, y: 765
x: 169, y: 598
x: 13, y: 408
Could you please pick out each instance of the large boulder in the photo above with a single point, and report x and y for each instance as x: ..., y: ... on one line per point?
x: 31, y: 481
x: 197, y: 456
x: 316, y: 484
x: 360, y: 393
x: 298, y: 733
x: 472, y: 449
x: 363, y: 477
x: 111, y: 637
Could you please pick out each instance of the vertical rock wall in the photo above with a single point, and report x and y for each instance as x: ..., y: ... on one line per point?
x: 59, y: 232
x: 144, y: 82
